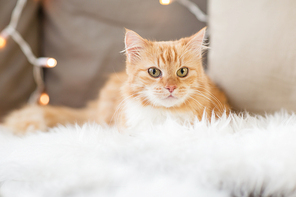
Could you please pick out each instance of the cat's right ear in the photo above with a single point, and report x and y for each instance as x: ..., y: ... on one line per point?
x: 134, y: 44
x: 195, y: 42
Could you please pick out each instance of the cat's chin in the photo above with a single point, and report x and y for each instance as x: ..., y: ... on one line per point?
x: 169, y: 101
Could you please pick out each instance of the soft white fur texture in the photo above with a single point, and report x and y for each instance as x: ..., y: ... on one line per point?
x: 235, y: 156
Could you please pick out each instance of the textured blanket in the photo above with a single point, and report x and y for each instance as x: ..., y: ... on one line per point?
x: 241, y: 155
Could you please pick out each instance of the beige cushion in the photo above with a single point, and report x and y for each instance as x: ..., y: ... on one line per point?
x: 86, y: 38
x: 16, y: 74
x: 253, y: 52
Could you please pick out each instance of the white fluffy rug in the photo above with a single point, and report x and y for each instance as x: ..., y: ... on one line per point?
x: 237, y: 156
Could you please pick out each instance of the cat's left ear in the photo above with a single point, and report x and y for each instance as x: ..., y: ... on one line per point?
x: 134, y: 44
x: 195, y: 42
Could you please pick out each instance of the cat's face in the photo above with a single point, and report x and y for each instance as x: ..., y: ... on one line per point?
x: 164, y: 74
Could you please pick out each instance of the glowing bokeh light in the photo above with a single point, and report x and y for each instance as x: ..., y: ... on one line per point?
x: 164, y: 2
x: 2, y: 42
x: 44, y: 99
x: 51, y: 62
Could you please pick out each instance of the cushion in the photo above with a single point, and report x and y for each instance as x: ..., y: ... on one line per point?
x: 252, y: 54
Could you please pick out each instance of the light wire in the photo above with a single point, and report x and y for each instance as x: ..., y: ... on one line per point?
x: 10, y: 30
x: 194, y: 9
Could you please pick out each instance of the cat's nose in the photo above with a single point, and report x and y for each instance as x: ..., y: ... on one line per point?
x: 171, y: 88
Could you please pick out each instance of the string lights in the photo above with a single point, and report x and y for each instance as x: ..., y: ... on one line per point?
x: 43, y: 99
x: 192, y: 7
x: 2, y: 42
x: 39, y: 95
x: 164, y: 2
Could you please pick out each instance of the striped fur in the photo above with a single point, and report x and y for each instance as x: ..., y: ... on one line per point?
x: 194, y: 95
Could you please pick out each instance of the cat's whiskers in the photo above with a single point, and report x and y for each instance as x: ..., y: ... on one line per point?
x: 117, y: 76
x: 122, y: 105
x: 196, y: 101
x: 145, y: 102
x: 213, y: 96
x: 159, y: 92
x: 119, y: 107
x: 214, y: 102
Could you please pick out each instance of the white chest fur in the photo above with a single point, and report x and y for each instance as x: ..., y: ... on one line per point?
x: 139, y: 116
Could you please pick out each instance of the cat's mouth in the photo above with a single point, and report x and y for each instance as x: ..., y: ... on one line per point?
x: 169, y: 101
x: 166, y: 99
x: 170, y: 97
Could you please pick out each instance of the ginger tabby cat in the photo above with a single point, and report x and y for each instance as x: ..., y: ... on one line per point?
x: 162, y: 79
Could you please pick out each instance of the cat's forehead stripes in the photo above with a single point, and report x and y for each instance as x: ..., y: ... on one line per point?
x: 167, y: 53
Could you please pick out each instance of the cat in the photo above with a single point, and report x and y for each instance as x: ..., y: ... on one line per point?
x: 162, y: 79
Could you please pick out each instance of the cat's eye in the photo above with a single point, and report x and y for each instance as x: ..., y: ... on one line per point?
x: 182, y: 72
x: 154, y: 72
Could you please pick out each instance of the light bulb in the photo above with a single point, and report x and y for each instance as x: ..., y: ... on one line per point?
x: 44, y: 99
x: 164, y: 2
x: 51, y: 62
x: 46, y: 62
x: 2, y: 42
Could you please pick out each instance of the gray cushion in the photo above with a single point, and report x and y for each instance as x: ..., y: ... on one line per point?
x: 253, y: 53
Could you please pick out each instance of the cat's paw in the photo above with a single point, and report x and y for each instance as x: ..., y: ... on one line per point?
x: 27, y: 119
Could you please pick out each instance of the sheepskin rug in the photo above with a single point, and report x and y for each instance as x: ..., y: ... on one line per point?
x: 242, y: 155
